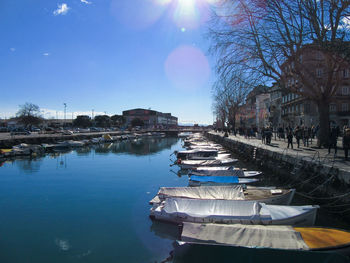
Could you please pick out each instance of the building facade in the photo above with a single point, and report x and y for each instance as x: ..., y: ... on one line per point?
x: 151, y: 118
x: 300, y: 110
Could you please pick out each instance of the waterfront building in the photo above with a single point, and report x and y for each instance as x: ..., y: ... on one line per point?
x: 254, y: 111
x: 151, y: 118
x: 300, y: 110
x: 275, y: 112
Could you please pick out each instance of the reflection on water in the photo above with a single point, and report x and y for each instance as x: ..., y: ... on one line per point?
x: 144, y: 146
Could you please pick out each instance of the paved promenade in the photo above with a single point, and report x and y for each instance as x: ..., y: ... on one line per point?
x: 280, y: 146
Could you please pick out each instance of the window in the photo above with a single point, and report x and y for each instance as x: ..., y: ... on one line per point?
x: 319, y: 55
x: 332, y: 107
x: 345, y: 73
x: 319, y: 72
x: 344, y: 107
x: 345, y: 91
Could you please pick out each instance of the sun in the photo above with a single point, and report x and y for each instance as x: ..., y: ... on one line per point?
x: 187, y: 5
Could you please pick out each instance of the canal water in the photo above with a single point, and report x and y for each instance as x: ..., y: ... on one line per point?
x: 88, y: 204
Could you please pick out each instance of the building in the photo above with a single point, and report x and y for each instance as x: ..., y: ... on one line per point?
x: 151, y: 118
x: 253, y: 112
x: 275, y: 111
x: 300, y: 110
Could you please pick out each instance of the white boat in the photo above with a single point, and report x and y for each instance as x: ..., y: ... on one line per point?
x: 76, y: 143
x: 235, y: 172
x: 275, y: 237
x: 219, y: 180
x: 187, y: 164
x: 234, y: 192
x: 212, y: 168
x: 189, y: 154
x: 179, y: 210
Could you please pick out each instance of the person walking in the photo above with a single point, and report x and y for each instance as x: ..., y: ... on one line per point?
x: 298, y: 135
x: 290, y: 138
x: 306, y: 137
x: 263, y: 135
x: 346, y: 143
x: 332, y: 143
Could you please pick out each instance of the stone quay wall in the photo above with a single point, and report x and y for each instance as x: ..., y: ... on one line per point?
x: 313, y: 177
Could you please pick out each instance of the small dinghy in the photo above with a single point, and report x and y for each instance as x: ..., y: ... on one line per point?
x: 179, y: 210
x: 212, y: 168
x: 275, y: 237
x: 237, y: 172
x: 234, y: 192
x: 187, y: 164
x: 196, y: 180
x: 184, y: 155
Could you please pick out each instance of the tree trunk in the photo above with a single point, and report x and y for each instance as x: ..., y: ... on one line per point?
x: 323, y: 114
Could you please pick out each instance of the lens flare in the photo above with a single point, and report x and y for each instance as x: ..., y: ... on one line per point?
x: 138, y: 14
x: 187, y: 68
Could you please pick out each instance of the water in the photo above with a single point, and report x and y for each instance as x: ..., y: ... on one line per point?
x: 91, y: 205
x: 88, y: 205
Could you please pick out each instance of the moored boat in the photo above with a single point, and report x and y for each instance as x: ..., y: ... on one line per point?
x: 236, y: 172
x: 275, y: 237
x: 179, y: 210
x: 196, y: 180
x: 234, y: 192
x: 187, y: 164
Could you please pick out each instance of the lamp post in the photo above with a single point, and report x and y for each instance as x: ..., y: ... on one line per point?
x: 65, y: 108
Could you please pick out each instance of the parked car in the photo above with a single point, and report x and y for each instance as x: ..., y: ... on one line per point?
x: 20, y: 131
x: 67, y: 132
x: 48, y: 130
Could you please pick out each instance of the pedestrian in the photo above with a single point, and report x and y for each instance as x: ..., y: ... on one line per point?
x: 306, y: 136
x: 290, y: 138
x: 332, y: 143
x: 268, y: 135
x: 280, y: 133
x: 346, y: 143
x: 263, y: 135
x: 298, y: 135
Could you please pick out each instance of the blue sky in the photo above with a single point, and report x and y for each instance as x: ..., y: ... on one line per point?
x: 106, y: 55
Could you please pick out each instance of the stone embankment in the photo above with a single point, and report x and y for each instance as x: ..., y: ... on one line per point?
x: 8, y: 142
x: 314, y: 173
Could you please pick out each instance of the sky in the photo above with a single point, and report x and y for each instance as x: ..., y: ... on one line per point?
x: 106, y: 56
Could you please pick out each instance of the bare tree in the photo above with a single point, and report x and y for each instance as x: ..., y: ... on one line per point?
x: 229, y: 94
x: 29, y: 114
x: 264, y: 36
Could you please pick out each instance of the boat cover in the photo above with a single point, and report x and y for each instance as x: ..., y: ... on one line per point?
x: 280, y: 237
x: 237, y: 173
x: 107, y: 137
x: 213, y: 168
x: 234, y: 192
x: 199, y: 208
x: 208, y: 162
x: 215, y: 179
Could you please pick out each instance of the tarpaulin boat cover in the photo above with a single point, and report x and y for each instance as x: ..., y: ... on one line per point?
x: 198, y: 208
x: 280, y: 237
x: 238, y: 173
x: 215, y: 179
x: 234, y: 192
x: 107, y: 137
x: 208, y: 162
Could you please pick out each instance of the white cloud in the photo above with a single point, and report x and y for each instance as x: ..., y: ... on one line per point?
x: 85, y: 2
x: 51, y: 114
x: 12, y: 49
x: 61, y: 10
x: 46, y: 54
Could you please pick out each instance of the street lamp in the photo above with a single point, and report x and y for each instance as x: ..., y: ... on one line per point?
x: 65, y: 108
